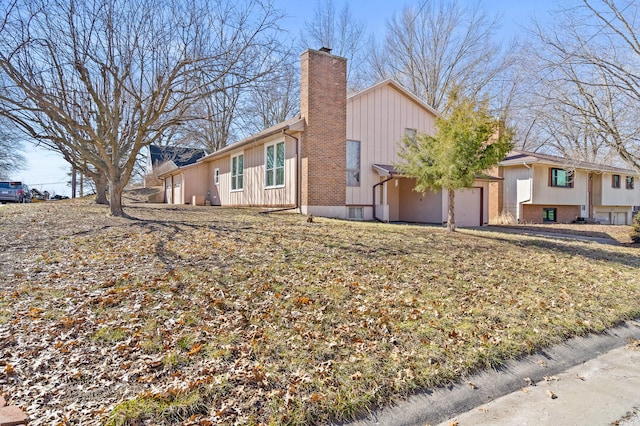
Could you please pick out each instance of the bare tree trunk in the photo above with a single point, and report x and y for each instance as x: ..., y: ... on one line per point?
x: 73, y: 182
x: 101, y: 189
x: 115, y: 199
x: 451, y: 218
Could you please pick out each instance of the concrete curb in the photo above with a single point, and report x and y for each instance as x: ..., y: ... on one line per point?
x: 433, y: 407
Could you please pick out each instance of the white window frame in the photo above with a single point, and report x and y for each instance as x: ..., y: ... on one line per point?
x: 216, y: 176
x: 274, y: 170
x: 355, y: 172
x: 234, y: 178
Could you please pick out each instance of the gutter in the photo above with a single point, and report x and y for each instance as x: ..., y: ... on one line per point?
x: 297, y: 206
x: 374, y: 195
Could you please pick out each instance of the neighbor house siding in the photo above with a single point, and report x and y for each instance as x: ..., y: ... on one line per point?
x: 618, y: 196
x: 545, y: 194
x: 516, y: 188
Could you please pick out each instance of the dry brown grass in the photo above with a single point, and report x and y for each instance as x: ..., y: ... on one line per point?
x: 185, y: 315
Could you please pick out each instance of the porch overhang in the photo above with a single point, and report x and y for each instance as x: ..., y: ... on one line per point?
x: 385, y: 170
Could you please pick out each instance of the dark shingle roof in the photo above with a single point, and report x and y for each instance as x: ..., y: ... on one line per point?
x: 181, y: 156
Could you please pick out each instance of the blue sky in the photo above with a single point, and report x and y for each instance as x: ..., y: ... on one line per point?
x: 47, y: 171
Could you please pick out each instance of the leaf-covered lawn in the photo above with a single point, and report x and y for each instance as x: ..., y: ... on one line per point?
x: 201, y: 315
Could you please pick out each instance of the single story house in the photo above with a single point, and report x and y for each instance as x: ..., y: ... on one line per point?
x: 541, y: 188
x: 335, y: 159
x: 162, y: 159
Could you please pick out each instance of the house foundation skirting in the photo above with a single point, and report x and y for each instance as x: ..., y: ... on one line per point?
x: 533, y: 213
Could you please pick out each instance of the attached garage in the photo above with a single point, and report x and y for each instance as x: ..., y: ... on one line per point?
x: 468, y: 207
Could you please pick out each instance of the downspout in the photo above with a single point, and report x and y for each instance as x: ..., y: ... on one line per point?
x: 297, y: 206
x: 374, y: 196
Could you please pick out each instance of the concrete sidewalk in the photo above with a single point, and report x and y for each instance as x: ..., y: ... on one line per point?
x: 592, y: 380
x: 602, y: 391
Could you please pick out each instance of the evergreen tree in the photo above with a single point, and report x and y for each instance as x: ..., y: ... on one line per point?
x: 468, y: 141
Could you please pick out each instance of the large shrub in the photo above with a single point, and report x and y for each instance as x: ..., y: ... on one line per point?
x: 635, y: 229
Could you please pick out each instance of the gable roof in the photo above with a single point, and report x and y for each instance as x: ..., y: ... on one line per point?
x: 180, y: 155
x: 517, y: 157
x: 400, y: 88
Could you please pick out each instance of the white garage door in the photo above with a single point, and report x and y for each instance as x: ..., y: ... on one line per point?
x: 177, y: 194
x: 468, y: 205
x: 168, y: 189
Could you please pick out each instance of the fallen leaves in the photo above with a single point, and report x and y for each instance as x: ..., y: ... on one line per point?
x: 208, y: 316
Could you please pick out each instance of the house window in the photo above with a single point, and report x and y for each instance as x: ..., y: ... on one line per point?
x: 629, y: 182
x: 353, y: 163
x: 237, y: 172
x: 356, y: 213
x: 615, y: 181
x: 274, y: 165
x: 560, y: 178
x: 549, y: 215
x: 410, y: 135
x: 216, y: 176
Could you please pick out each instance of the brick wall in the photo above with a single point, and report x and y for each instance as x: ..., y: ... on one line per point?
x: 323, y: 105
x: 564, y: 214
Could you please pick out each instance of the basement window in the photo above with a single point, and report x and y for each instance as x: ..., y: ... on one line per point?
x: 356, y: 213
x: 549, y: 215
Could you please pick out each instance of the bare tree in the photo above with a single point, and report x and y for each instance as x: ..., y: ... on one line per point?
x: 115, y: 75
x: 437, y: 46
x: 590, y: 61
x: 11, y: 156
x: 342, y: 32
x: 272, y: 100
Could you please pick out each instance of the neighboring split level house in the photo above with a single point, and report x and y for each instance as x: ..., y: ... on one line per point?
x: 539, y: 188
x: 336, y: 159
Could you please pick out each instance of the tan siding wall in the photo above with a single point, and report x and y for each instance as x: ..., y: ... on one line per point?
x: 510, y: 187
x: 619, y: 196
x: 378, y: 120
x: 254, y: 192
x: 418, y: 207
x: 195, y: 182
x: 545, y: 194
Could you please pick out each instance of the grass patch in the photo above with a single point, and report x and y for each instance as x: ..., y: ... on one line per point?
x: 268, y: 319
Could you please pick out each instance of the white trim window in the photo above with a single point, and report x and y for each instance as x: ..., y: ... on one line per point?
x: 274, y: 165
x: 237, y: 172
x: 216, y: 176
x: 353, y: 163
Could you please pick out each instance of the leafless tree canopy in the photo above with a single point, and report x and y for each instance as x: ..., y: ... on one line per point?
x: 11, y: 156
x: 105, y: 78
x: 342, y: 32
x: 436, y: 45
x: 588, y: 88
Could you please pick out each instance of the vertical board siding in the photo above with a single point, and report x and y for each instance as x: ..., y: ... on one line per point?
x: 378, y: 120
x: 254, y: 192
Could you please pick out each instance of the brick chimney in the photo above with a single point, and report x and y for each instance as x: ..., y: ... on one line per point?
x: 323, y: 105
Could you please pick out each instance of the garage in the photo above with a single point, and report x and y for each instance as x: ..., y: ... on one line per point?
x: 468, y: 207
